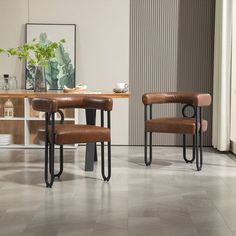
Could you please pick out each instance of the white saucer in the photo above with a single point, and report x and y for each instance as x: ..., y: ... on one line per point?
x: 118, y: 90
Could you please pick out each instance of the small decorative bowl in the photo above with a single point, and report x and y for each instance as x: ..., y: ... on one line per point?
x: 82, y: 86
x: 118, y: 90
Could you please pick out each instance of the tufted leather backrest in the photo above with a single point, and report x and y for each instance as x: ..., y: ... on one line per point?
x: 52, y: 104
x: 196, y: 99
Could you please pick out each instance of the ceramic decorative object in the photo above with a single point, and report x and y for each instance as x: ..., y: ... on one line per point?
x: 8, y: 109
x: 121, y: 87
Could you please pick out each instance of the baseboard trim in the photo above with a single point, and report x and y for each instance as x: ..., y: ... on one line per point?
x: 233, y: 146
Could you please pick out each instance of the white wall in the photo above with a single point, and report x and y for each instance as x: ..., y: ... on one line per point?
x: 102, y: 43
x: 233, y: 82
x: 14, y: 14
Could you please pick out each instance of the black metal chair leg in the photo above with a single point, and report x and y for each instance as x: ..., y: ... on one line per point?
x: 148, y: 162
x: 95, y: 153
x: 150, y: 147
x: 194, y: 146
x: 106, y: 178
x: 200, y: 137
x: 51, y: 168
x: 184, y: 150
x: 109, y: 161
x: 102, y: 159
x: 145, y: 148
x: 49, y: 159
x: 201, y: 157
x: 198, y: 160
x: 52, y: 149
x: 197, y: 154
x: 46, y: 163
x: 200, y: 147
x: 61, y: 163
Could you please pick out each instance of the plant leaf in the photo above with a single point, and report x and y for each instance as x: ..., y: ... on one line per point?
x: 51, y: 73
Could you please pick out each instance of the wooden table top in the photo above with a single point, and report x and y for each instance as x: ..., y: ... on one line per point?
x: 55, y: 93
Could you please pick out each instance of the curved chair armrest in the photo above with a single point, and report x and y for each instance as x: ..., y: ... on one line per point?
x: 196, y: 99
x: 100, y: 103
x: 44, y: 104
x: 53, y: 104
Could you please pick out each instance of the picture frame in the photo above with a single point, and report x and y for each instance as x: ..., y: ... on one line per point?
x: 61, y: 71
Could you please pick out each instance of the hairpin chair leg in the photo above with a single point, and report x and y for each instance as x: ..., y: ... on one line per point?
x: 46, y: 161
x: 145, y: 147
x: 200, y: 138
x: 200, y: 145
x: 51, y: 151
x: 194, y: 147
x: 197, y: 136
x: 198, y: 162
x: 48, y: 182
x: 49, y: 160
x: 51, y: 166
x: 61, y: 163
x: 184, y: 150
x: 148, y: 162
x: 150, y: 147
x: 106, y: 178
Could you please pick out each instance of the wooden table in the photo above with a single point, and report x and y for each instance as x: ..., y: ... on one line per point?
x: 60, y: 93
x: 91, y: 149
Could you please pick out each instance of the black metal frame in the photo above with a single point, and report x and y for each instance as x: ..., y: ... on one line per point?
x: 106, y: 178
x: 197, y: 137
x: 51, y: 24
x: 50, y: 148
x: 148, y: 163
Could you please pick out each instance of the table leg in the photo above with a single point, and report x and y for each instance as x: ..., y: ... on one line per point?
x: 91, y: 148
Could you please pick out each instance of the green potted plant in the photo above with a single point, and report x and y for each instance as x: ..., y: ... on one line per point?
x: 37, y: 54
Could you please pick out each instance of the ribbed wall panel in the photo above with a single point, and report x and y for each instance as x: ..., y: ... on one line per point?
x: 171, y: 49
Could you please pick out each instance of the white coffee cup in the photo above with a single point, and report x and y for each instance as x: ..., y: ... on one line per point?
x: 121, y: 85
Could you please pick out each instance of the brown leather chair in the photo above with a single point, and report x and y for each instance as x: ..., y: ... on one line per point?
x: 194, y: 125
x: 61, y: 133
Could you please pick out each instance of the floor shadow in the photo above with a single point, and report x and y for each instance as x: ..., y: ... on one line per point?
x: 139, y: 161
x: 35, y: 178
x: 7, y: 168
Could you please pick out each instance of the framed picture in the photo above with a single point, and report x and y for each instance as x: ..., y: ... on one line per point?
x: 60, y: 71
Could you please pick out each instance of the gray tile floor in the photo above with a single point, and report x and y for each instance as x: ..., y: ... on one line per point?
x: 170, y: 198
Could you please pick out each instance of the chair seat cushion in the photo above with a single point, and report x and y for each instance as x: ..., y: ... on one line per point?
x: 71, y: 133
x: 174, y: 125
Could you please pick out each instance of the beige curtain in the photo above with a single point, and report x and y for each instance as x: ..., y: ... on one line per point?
x: 222, y: 75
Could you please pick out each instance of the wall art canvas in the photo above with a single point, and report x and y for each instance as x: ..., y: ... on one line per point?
x: 60, y: 71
